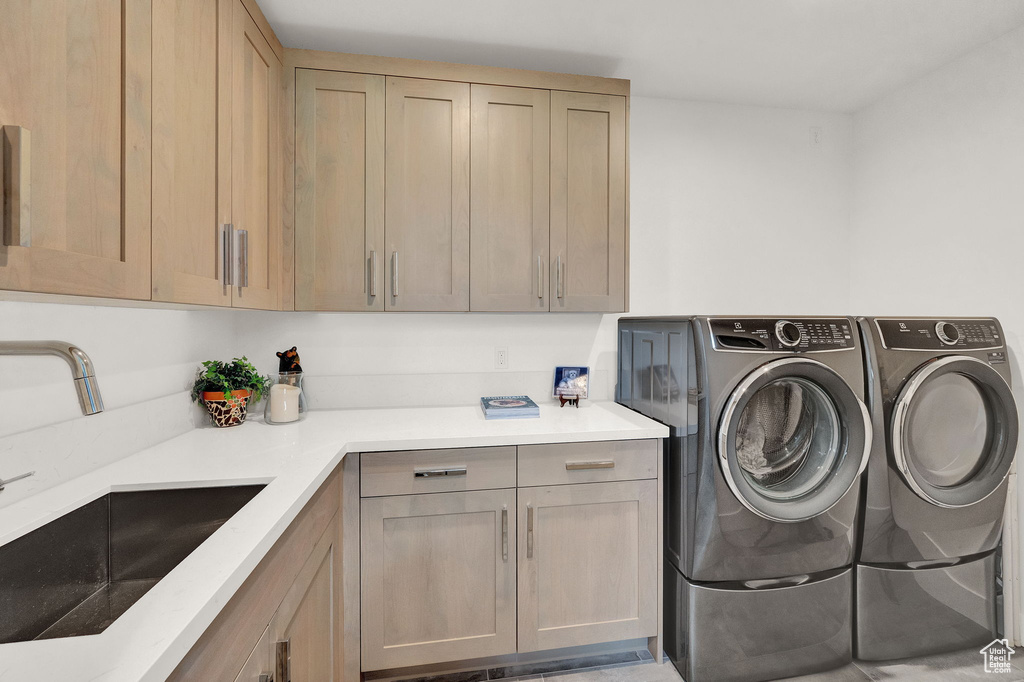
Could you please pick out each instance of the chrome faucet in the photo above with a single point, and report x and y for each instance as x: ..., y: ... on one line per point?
x: 81, y: 367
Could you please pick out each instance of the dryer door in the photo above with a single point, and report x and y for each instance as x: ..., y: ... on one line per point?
x: 793, y: 439
x: 954, y: 431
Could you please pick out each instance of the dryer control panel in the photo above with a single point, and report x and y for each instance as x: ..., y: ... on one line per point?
x: 929, y: 334
x: 773, y: 334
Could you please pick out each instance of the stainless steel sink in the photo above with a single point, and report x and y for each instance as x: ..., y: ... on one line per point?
x: 77, y: 574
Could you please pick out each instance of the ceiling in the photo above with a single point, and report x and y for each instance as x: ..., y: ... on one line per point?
x: 832, y: 55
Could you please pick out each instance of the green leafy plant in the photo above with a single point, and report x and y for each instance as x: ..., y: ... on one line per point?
x: 238, y: 375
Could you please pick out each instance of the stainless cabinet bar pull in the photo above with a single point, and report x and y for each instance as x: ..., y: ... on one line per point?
x: 504, y: 534
x: 15, y: 186
x: 433, y: 473
x: 394, y: 273
x: 243, y: 259
x: 579, y: 466
x: 540, y: 278
x: 283, y: 661
x: 226, y: 234
x: 529, y: 531
x: 559, y: 277
x: 12, y: 479
x: 373, y: 273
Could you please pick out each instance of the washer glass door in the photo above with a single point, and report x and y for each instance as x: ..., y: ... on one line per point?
x: 954, y: 431
x: 793, y: 439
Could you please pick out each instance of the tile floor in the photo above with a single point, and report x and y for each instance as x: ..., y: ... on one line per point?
x: 961, y: 666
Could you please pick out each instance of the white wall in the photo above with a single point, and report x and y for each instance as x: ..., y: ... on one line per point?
x: 139, y: 354
x: 938, y: 221
x: 735, y: 211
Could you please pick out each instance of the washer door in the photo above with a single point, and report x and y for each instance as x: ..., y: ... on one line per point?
x: 954, y: 431
x: 793, y: 439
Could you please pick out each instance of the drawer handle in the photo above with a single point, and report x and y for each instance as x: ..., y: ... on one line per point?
x: 433, y: 473
x: 529, y: 531
x: 580, y: 466
x: 504, y: 534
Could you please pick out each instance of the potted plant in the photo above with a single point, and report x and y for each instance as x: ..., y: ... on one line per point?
x: 227, y: 387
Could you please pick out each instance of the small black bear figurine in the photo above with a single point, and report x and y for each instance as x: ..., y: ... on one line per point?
x: 289, y: 361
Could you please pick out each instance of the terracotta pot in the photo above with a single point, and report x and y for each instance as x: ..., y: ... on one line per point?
x: 231, y: 412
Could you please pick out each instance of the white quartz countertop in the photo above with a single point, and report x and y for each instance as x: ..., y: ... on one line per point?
x: 152, y: 637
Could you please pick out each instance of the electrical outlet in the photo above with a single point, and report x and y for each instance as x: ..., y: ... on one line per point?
x: 501, y: 357
x: 815, y: 136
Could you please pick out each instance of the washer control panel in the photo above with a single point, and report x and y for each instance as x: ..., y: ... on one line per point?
x: 796, y: 334
x: 929, y: 334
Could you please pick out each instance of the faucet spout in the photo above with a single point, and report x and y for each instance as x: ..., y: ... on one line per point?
x: 86, y: 387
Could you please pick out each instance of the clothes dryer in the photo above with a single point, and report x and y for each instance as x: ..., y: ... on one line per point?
x: 946, y: 434
x: 769, y: 436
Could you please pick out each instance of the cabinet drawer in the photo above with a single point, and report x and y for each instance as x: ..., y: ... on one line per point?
x: 410, y: 472
x: 562, y: 463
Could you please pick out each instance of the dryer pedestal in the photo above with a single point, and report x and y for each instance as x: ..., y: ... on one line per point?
x: 904, y: 612
x: 716, y: 634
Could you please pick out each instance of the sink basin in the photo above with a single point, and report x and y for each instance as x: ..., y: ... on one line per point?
x: 77, y: 574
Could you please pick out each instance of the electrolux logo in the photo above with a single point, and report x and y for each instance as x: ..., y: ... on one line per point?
x: 997, y: 656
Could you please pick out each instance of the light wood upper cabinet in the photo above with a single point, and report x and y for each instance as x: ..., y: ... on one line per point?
x: 216, y: 160
x: 509, y: 199
x: 588, y: 202
x: 255, y: 164
x: 438, y: 577
x: 427, y: 199
x: 76, y: 110
x: 588, y: 563
x: 339, y: 191
x: 192, y: 50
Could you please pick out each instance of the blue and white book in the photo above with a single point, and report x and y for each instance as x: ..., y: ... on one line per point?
x: 509, y: 407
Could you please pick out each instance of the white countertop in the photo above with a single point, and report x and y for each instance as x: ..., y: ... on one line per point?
x: 152, y: 637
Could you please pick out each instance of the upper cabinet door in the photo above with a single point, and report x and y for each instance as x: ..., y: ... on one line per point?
x: 588, y: 202
x: 339, y: 191
x: 255, y: 165
x: 76, y: 110
x: 427, y: 203
x: 191, y: 150
x: 509, y: 209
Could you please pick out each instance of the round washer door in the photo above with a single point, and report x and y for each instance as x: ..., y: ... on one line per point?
x: 793, y: 439
x: 954, y: 431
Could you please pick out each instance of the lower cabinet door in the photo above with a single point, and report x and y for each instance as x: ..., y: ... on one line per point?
x: 438, y: 577
x: 587, y: 564
x: 300, y: 642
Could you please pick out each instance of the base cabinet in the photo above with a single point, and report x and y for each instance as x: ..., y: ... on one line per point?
x: 438, y: 577
x: 459, y: 573
x: 294, y: 597
x: 589, y: 571
x: 297, y: 644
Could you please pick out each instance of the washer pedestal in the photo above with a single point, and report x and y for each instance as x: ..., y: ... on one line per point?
x: 717, y: 634
x: 903, y: 612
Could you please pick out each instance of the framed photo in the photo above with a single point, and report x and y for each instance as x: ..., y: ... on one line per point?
x: 572, y: 382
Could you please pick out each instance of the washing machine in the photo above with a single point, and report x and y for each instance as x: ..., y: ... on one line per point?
x: 946, y: 424
x: 769, y: 436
